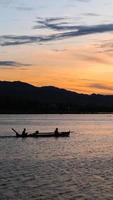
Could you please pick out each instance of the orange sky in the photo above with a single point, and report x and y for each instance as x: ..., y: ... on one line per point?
x: 66, y: 50
x: 84, y: 68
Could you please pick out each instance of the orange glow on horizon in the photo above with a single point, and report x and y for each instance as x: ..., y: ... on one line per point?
x: 81, y: 69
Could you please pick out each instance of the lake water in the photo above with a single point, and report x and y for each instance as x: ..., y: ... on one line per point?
x: 78, y: 167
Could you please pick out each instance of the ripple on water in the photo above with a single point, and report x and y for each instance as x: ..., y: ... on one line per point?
x: 79, y: 167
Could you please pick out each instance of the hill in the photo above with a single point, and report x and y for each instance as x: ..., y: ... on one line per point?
x: 20, y: 97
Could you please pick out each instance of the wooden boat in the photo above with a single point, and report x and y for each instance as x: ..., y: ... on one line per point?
x: 48, y: 134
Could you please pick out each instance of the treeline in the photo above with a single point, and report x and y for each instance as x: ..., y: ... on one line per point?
x: 12, y: 107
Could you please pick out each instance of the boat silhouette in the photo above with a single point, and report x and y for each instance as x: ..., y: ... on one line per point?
x: 37, y: 134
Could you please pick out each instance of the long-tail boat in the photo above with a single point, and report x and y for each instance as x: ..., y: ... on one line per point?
x: 44, y: 134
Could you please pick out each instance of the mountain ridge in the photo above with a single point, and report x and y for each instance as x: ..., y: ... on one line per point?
x: 21, y: 97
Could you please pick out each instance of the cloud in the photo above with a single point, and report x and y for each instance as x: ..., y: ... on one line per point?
x: 94, y: 58
x: 101, y: 86
x: 91, y: 14
x: 11, y: 64
x: 66, y: 24
x: 106, y: 46
x: 56, y: 24
x: 19, y: 5
x: 68, y: 32
x: 51, y: 19
x: 24, y: 8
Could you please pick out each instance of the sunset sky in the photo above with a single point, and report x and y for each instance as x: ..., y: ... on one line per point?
x: 63, y: 43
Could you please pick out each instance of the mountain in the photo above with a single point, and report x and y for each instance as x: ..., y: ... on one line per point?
x: 20, y: 97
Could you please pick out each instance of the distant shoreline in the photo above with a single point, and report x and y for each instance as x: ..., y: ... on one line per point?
x: 81, y: 113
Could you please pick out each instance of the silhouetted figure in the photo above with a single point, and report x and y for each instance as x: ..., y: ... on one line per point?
x: 24, y: 133
x: 35, y: 133
x: 56, y: 131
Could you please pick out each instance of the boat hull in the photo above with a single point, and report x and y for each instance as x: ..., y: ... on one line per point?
x: 61, y: 134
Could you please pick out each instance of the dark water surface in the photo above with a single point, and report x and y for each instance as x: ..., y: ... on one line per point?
x: 79, y: 167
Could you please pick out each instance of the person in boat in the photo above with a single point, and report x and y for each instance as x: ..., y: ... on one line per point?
x: 56, y: 131
x: 35, y: 133
x: 24, y: 133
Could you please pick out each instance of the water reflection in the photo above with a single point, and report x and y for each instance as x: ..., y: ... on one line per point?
x: 79, y: 167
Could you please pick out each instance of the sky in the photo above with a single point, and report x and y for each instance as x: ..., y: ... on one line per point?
x: 63, y: 43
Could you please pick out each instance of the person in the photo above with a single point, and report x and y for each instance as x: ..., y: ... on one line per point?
x: 24, y: 133
x: 35, y: 133
x: 56, y: 131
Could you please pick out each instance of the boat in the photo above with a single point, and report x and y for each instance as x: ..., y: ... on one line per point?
x: 45, y: 134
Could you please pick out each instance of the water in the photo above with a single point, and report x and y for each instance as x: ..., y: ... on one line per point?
x: 79, y: 167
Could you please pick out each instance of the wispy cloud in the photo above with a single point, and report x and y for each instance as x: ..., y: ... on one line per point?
x: 24, y: 8
x: 19, y: 5
x: 11, y: 64
x: 56, y: 24
x: 91, y: 57
x: 91, y: 14
x: 69, y: 24
x: 106, y: 46
x: 100, y: 86
x: 68, y: 32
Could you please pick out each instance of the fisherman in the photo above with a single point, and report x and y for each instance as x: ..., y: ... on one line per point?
x: 35, y: 133
x: 56, y: 132
x: 24, y: 133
